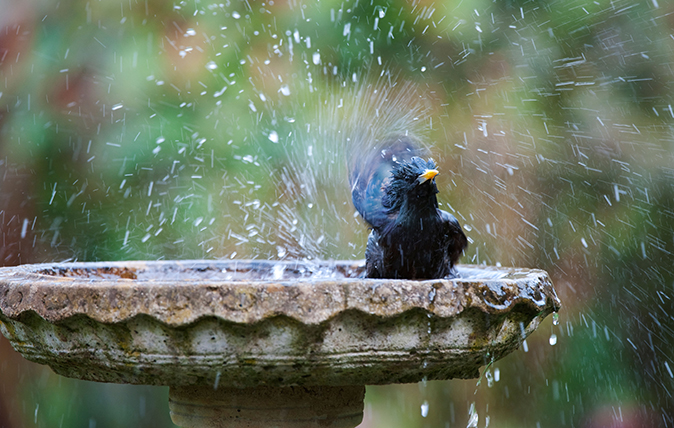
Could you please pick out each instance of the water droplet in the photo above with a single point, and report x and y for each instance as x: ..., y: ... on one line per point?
x: 190, y: 32
x: 555, y: 319
x: 236, y: 15
x: 424, y: 408
x: 211, y: 65
x: 474, y: 418
x: 285, y: 90
x: 273, y: 137
x: 553, y: 339
x: 24, y: 228
x: 316, y: 58
x: 277, y: 271
x: 218, y: 93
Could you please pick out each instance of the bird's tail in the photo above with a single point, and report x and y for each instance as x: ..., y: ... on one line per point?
x: 368, y: 173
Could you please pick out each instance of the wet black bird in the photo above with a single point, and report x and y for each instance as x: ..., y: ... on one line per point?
x: 394, y: 191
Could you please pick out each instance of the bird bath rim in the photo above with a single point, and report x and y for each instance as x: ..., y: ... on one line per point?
x: 496, y: 289
x: 203, y: 322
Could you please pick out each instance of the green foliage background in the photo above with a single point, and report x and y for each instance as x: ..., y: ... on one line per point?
x: 146, y: 130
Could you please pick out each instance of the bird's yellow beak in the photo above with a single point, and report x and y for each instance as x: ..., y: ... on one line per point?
x: 429, y: 174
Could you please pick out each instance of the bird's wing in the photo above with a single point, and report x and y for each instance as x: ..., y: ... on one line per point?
x: 369, y: 173
x: 458, y: 241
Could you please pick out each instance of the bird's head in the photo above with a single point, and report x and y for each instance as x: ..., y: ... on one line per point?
x: 412, y: 181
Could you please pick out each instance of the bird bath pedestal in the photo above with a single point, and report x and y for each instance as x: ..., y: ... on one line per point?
x: 266, y: 344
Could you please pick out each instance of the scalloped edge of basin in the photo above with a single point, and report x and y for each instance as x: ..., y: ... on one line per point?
x: 251, y: 323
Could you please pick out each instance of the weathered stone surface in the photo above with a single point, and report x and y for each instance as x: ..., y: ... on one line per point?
x: 252, y: 323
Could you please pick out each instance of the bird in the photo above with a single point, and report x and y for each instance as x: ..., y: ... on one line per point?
x: 394, y: 191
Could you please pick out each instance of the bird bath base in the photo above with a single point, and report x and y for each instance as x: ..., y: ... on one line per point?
x: 259, y: 343
x: 263, y: 407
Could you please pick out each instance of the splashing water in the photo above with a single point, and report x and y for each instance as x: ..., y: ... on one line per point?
x: 489, y: 377
x: 308, y: 222
x: 473, y: 417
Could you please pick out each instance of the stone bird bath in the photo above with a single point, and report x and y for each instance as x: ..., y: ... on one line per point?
x: 262, y: 343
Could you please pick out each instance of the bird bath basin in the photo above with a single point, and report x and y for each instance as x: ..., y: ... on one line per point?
x: 261, y: 343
